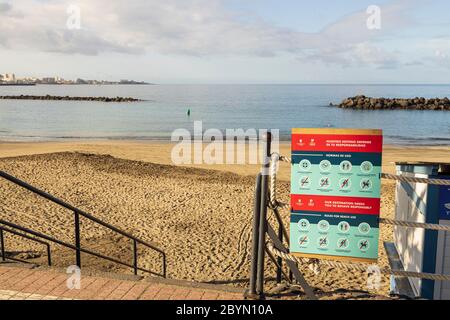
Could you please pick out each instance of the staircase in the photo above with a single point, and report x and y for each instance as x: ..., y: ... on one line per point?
x: 50, y: 243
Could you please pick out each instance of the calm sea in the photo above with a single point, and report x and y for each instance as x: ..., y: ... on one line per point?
x: 219, y: 106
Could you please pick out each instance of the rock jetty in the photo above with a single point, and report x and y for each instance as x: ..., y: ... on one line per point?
x: 67, y: 98
x: 368, y: 103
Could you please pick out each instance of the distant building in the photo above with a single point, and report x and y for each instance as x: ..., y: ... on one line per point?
x: 59, y: 80
x: 9, y: 77
x: 49, y: 80
x: 30, y: 79
x: 81, y: 81
x: 131, y: 82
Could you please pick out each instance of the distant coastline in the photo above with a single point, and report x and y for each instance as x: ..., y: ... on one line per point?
x: 10, y: 79
x: 6, y: 84
x: 17, y: 84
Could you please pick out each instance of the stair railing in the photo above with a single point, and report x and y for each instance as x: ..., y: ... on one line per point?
x: 77, y: 246
x: 22, y: 235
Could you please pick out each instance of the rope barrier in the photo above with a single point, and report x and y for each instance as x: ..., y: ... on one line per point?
x: 314, y: 263
x: 428, y: 226
x: 440, y: 182
x: 356, y: 266
x: 277, y: 204
x: 273, y: 179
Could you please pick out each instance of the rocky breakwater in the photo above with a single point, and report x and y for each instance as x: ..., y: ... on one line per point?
x: 367, y: 103
x: 67, y: 98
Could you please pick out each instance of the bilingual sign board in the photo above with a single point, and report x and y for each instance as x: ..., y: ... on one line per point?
x: 335, y: 193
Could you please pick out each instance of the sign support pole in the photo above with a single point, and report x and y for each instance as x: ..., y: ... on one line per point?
x: 255, y: 237
x: 263, y: 216
x: 261, y: 227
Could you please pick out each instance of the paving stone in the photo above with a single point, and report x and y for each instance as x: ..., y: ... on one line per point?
x: 52, y: 285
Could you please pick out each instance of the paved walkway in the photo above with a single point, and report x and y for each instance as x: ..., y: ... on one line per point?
x: 18, y: 283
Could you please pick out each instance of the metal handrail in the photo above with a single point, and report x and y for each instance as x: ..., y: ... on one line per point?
x: 70, y: 246
x: 2, y: 244
x: 77, y: 213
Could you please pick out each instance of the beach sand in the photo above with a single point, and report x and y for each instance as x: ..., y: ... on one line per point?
x: 200, y: 215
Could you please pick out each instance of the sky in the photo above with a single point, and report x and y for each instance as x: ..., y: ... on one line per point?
x: 228, y: 41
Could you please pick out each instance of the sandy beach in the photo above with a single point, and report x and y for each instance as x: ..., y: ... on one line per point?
x: 200, y: 215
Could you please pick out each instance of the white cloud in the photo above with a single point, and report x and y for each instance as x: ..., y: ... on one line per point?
x: 5, y: 7
x: 436, y: 52
x: 188, y: 27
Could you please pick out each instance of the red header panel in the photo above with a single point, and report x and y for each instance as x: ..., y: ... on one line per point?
x: 353, y: 205
x: 337, y: 143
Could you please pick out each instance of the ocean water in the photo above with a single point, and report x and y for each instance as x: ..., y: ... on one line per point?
x: 219, y: 106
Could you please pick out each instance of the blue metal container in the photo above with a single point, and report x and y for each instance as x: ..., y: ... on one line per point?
x: 424, y: 250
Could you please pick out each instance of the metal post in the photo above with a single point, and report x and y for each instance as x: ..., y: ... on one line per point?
x: 49, y: 256
x: 2, y: 245
x: 263, y: 215
x: 164, y: 265
x: 279, y: 260
x: 77, y: 239
x: 282, y: 234
x: 135, y: 256
x: 255, y: 237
